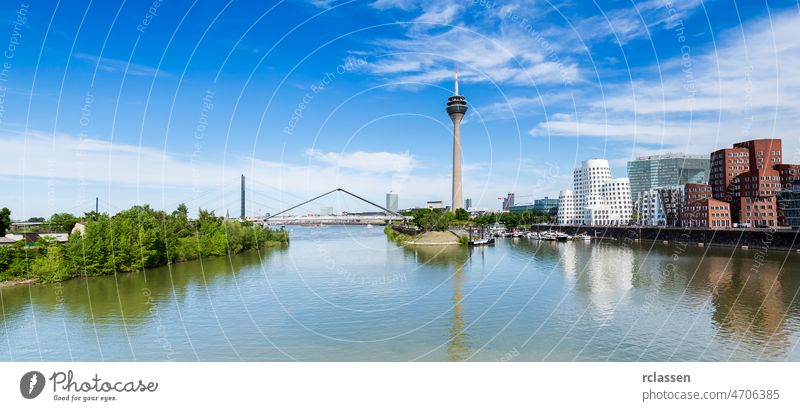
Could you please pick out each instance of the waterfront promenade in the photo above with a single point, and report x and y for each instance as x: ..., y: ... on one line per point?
x: 775, y: 239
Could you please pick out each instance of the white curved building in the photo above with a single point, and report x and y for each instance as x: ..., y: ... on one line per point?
x: 596, y: 198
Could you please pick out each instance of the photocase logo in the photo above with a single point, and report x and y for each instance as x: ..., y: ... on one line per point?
x: 31, y: 384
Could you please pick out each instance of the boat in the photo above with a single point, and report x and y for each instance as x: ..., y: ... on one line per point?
x: 583, y: 237
x: 369, y: 225
x: 482, y: 241
x: 562, y: 236
x: 547, y: 236
x: 533, y: 235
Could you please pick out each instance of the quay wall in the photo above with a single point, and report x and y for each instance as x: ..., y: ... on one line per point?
x: 779, y: 238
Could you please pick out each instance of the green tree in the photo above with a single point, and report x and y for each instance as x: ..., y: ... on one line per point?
x: 51, y: 266
x: 433, y: 220
x: 62, y: 222
x: 5, y: 220
x: 462, y: 215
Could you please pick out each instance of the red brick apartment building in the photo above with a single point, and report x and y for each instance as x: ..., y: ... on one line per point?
x: 748, y: 176
x: 701, y: 210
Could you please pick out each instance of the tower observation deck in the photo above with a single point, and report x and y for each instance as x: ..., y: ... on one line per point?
x: 456, y: 108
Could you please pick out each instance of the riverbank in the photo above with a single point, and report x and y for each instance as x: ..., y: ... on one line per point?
x: 269, y: 245
x: 134, y: 240
x: 21, y: 281
x: 428, y: 238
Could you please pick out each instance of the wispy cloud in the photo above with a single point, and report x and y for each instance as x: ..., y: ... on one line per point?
x: 118, y: 66
x: 746, y: 87
x: 630, y: 21
x: 503, y: 59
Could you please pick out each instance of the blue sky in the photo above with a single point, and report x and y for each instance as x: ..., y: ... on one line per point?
x: 306, y: 96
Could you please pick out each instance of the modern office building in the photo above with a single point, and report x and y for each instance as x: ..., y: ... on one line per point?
x: 435, y: 205
x: 467, y: 204
x: 546, y: 206
x: 391, y: 201
x: 672, y: 202
x: 518, y: 208
x: 702, y: 210
x: 648, y: 208
x: 508, y: 202
x: 748, y: 176
x: 789, y: 204
x: 675, y: 169
x: 708, y: 213
x: 596, y: 198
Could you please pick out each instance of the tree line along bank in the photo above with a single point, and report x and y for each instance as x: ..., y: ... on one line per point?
x: 132, y: 240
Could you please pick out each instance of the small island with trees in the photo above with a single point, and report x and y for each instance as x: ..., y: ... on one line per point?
x: 133, y: 240
x: 443, y: 227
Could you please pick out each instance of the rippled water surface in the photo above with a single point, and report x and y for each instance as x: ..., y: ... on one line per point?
x: 346, y: 293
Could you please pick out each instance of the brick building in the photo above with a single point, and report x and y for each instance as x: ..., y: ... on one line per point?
x: 707, y: 212
x: 701, y: 210
x: 748, y: 177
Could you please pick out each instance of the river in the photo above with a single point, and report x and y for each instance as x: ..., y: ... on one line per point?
x: 347, y: 293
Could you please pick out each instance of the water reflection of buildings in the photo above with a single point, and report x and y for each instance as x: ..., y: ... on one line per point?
x: 453, y: 257
x: 747, y: 297
x: 600, y: 273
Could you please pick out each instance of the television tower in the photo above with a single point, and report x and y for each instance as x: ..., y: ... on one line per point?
x: 456, y: 107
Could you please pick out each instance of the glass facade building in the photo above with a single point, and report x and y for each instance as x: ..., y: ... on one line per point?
x: 789, y: 204
x: 391, y: 201
x: 651, y: 172
x: 546, y: 206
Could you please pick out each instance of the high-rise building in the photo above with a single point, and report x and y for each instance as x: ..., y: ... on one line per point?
x: 596, y: 198
x: 391, y: 201
x: 649, y: 172
x: 456, y: 108
x: 242, y: 198
x: 467, y: 204
x: 508, y: 202
x: 748, y: 176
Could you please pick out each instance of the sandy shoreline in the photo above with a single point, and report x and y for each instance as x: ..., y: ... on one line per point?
x: 11, y: 283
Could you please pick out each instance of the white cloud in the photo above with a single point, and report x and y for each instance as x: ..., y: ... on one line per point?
x: 440, y: 13
x: 125, y: 174
x: 374, y: 162
x: 504, y: 58
x: 747, y: 87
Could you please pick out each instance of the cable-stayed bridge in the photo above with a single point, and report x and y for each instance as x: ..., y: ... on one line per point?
x: 283, y: 218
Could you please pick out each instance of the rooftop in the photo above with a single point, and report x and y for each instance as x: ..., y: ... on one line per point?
x: 672, y: 155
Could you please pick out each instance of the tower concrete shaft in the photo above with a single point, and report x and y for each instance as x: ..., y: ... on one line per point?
x: 456, y: 108
x: 457, y: 193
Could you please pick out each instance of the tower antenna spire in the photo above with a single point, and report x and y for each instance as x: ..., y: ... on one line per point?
x: 456, y: 93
